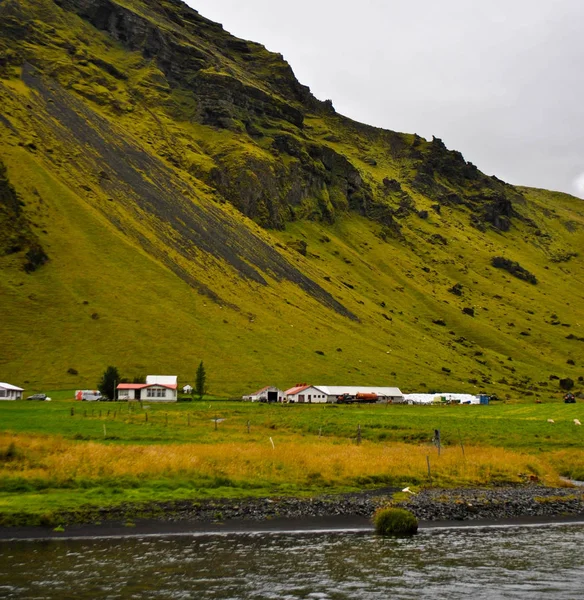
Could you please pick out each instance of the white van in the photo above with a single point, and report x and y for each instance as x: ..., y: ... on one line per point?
x: 88, y: 395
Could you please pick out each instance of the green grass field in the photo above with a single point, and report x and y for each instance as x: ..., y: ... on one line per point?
x: 510, y: 426
x: 67, y: 455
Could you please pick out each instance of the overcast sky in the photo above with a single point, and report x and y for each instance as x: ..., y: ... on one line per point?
x: 502, y: 81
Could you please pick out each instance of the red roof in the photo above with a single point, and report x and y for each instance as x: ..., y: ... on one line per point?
x: 297, y: 389
x: 141, y: 386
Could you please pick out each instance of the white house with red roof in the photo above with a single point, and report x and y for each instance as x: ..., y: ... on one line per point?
x: 266, y: 394
x: 158, y: 388
x: 303, y: 393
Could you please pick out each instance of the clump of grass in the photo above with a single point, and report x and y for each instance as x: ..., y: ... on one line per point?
x: 11, y: 453
x: 395, y: 521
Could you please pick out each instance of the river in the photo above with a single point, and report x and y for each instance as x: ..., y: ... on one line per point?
x: 460, y: 563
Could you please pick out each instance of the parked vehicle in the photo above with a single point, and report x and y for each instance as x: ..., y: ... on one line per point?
x: 41, y: 397
x: 569, y: 398
x: 88, y: 395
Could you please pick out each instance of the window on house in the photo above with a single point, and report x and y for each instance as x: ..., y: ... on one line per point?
x: 3, y: 393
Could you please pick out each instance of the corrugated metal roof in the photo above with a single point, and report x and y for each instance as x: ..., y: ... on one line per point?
x: 352, y: 390
x: 297, y: 389
x: 8, y: 386
x: 141, y: 386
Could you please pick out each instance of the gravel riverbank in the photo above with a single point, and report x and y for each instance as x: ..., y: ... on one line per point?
x: 496, y: 503
x: 502, y: 504
x: 427, y: 505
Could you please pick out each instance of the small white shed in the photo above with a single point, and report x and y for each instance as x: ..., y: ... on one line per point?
x: 10, y: 392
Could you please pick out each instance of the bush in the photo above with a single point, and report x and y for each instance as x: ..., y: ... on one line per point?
x: 395, y: 521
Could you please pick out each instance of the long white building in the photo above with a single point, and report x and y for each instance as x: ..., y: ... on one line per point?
x: 374, y: 394
x: 441, y: 397
x: 323, y: 394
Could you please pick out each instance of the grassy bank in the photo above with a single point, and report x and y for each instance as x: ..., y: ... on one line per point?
x: 69, y: 456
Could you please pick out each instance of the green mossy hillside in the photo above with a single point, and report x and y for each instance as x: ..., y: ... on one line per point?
x: 195, y: 202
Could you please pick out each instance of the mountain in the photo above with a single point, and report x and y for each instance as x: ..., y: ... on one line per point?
x: 170, y: 193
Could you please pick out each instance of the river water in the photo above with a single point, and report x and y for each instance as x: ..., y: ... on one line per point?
x: 511, y: 562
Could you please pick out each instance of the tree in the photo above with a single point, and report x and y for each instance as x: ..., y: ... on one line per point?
x: 108, y: 382
x: 201, y: 381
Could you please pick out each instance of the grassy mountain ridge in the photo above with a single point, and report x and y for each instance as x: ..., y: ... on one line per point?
x: 196, y: 202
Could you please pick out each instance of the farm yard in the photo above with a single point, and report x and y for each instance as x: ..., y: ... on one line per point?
x: 66, y: 455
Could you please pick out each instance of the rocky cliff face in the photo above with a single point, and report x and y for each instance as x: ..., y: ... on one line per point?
x: 277, y: 169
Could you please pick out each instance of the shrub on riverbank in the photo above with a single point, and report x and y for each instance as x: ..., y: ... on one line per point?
x: 395, y: 521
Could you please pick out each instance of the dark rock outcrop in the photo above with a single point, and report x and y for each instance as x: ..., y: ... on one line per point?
x: 17, y: 236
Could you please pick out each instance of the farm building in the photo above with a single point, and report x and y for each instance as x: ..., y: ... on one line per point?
x: 339, y: 393
x: 443, y: 398
x: 158, y: 388
x: 10, y: 392
x: 305, y: 394
x: 266, y: 394
x: 322, y: 394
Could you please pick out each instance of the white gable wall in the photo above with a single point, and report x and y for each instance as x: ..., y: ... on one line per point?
x: 157, y: 393
x: 311, y: 395
x: 162, y: 379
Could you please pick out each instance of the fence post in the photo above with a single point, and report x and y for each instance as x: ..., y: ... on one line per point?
x: 462, y: 445
x: 437, y: 439
x: 359, y: 434
x: 429, y: 472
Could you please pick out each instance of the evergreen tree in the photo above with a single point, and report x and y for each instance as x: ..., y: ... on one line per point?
x: 109, y: 380
x: 201, y: 381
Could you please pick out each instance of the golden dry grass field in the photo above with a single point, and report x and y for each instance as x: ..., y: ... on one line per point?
x: 107, y: 454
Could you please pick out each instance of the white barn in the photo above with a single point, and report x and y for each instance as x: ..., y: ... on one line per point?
x: 158, y: 388
x: 305, y: 394
x: 374, y: 394
x: 269, y: 393
x: 10, y: 392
